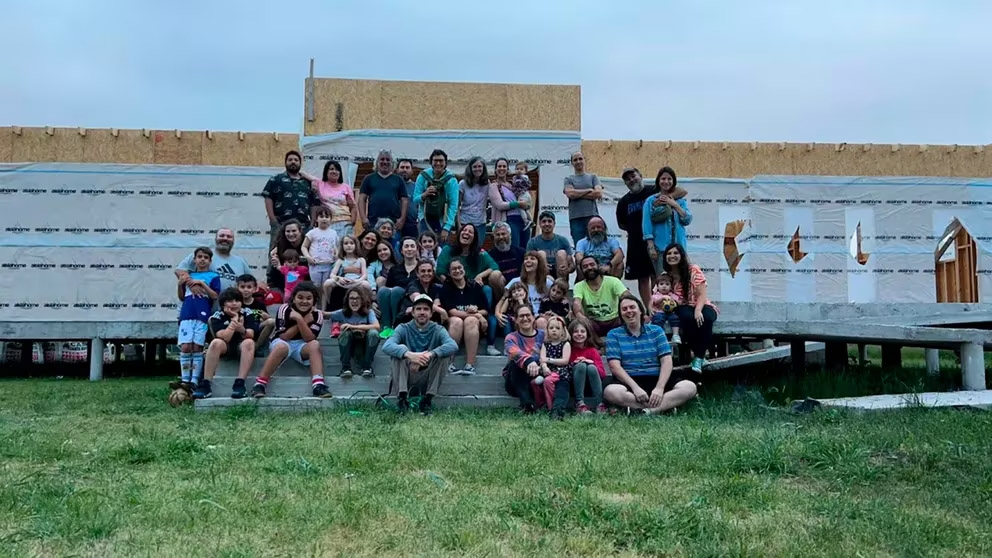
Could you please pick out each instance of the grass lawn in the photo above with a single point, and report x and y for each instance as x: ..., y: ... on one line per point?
x: 100, y: 469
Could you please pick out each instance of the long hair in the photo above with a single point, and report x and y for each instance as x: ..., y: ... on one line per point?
x: 682, y: 269
x: 358, y: 247
x: 282, y: 244
x: 361, y: 244
x: 592, y: 338
x: 363, y: 294
x: 496, y: 163
x: 671, y: 172
x: 471, y: 254
x: 540, y: 272
x: 470, y: 176
x: 392, y: 253
x: 336, y: 165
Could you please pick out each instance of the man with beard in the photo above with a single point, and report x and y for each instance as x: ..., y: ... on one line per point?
x: 383, y: 195
x: 597, y: 297
x: 508, y: 257
x: 288, y: 196
x: 437, y: 194
x: 605, y: 250
x: 225, y: 264
x: 405, y: 170
x: 557, y: 250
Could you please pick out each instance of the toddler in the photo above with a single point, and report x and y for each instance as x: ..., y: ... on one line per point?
x: 661, y: 297
x: 556, y: 372
x: 292, y: 270
x: 520, y: 185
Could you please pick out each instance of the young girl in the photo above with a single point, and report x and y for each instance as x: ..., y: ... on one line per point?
x: 359, y: 332
x: 292, y: 271
x: 556, y: 305
x: 555, y: 368
x: 515, y: 297
x: 320, y: 246
x: 349, y: 271
x: 588, y: 372
x: 429, y: 249
x: 664, y: 302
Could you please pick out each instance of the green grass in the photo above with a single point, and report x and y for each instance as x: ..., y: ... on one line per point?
x: 108, y: 469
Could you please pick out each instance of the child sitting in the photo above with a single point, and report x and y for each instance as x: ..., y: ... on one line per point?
x: 555, y: 304
x: 348, y: 271
x: 588, y: 372
x: 292, y: 270
x: 197, y: 292
x: 664, y: 302
x: 255, y: 303
x: 556, y: 385
x: 515, y: 297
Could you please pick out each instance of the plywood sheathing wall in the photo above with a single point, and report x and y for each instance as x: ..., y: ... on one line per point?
x: 100, y: 145
x: 744, y: 160
x: 345, y: 104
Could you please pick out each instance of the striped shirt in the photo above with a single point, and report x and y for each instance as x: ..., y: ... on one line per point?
x: 522, y: 350
x: 638, y: 355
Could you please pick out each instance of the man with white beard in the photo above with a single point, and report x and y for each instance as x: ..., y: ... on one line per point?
x: 605, y: 250
x: 508, y: 256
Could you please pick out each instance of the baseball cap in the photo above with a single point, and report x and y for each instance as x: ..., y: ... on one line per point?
x: 627, y: 171
x: 546, y: 214
x: 422, y: 298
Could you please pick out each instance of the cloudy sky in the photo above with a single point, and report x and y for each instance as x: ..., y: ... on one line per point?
x: 886, y: 71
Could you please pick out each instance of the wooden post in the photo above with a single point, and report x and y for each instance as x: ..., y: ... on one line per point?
x: 798, y: 356
x: 933, y: 362
x: 973, y: 366
x: 96, y: 359
x: 836, y: 356
x: 891, y: 357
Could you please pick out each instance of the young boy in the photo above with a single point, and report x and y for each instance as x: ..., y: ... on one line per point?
x: 193, y: 317
x: 556, y: 303
x: 234, y: 329
x: 251, y: 300
x: 292, y: 270
x: 661, y: 298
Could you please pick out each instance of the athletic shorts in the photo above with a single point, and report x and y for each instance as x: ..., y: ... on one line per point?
x: 295, y: 349
x: 639, y: 265
x: 192, y: 331
x: 233, y: 351
x: 648, y: 383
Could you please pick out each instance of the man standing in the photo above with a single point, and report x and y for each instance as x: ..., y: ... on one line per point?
x: 508, y: 256
x: 405, y: 170
x: 288, y: 196
x: 383, y: 195
x: 421, y: 352
x: 629, y: 213
x: 557, y: 250
x: 596, y: 298
x: 641, y: 359
x: 604, y: 249
x: 228, y: 266
x: 437, y: 194
x: 582, y: 190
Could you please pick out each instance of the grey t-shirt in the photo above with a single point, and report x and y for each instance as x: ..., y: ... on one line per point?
x: 354, y: 319
x: 550, y: 247
x: 473, y: 203
x: 583, y: 207
x: 228, y: 267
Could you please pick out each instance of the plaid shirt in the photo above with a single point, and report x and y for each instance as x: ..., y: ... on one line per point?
x: 638, y: 355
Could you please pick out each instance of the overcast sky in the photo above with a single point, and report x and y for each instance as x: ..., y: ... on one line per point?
x: 885, y: 71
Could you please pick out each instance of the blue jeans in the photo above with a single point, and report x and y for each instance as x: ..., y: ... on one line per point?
x: 433, y: 225
x: 390, y: 300
x: 519, y: 233
x: 578, y: 228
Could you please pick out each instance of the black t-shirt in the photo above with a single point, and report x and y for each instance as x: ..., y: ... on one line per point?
x: 283, y: 322
x: 559, y: 308
x: 454, y: 298
x: 630, y: 209
x: 384, y: 195
x: 398, y: 276
x: 291, y: 198
x: 509, y: 262
x: 219, y: 321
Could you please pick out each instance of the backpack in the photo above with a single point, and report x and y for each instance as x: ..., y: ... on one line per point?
x: 434, y: 205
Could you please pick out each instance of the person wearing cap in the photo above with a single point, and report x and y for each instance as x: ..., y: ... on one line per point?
x: 629, y: 211
x: 421, y: 352
x: 556, y: 248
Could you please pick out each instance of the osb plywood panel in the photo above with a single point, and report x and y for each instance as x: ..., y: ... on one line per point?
x: 32, y: 145
x: 67, y: 144
x: 184, y: 150
x: 749, y: 159
x: 543, y: 107
x: 6, y: 143
x: 459, y: 106
x: 224, y: 148
x: 98, y: 146
x: 279, y: 145
x: 361, y: 105
x: 966, y: 161
x: 131, y: 146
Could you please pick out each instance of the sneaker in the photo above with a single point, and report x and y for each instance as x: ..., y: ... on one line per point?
x: 320, y: 390
x: 346, y: 373
x: 258, y: 391
x: 202, y: 390
x: 601, y: 408
x: 676, y: 339
x: 368, y: 373
x: 529, y: 409
x: 335, y: 329
x: 188, y: 386
x: 583, y: 409
x: 403, y: 404
x: 238, y: 391
x: 453, y: 370
x: 426, y: 407
x: 558, y: 415
x: 386, y: 333
x: 468, y: 370
x: 493, y: 351
x: 697, y: 365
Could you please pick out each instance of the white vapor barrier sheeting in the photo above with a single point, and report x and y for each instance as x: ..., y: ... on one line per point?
x: 94, y: 242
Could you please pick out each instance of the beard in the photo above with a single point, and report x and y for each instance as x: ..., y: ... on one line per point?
x: 590, y: 274
x: 502, y: 246
x: 292, y: 167
x: 597, y: 237
x: 224, y: 246
x: 636, y: 187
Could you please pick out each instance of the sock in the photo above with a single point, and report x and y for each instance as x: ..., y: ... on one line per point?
x: 186, y: 366
x: 197, y: 367
x: 317, y: 380
x: 260, y: 381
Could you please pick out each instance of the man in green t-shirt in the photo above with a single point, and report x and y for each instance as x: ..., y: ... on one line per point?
x: 596, y: 298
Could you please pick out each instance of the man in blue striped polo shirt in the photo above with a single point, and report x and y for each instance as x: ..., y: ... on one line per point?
x: 641, y: 362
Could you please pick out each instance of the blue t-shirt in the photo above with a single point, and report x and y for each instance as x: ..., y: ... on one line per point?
x: 354, y: 319
x: 603, y: 252
x: 385, y: 195
x: 199, y: 307
x: 509, y: 262
x: 550, y: 247
x: 639, y: 356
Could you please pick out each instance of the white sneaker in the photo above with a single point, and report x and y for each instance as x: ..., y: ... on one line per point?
x: 453, y: 370
x: 493, y: 351
x: 676, y: 339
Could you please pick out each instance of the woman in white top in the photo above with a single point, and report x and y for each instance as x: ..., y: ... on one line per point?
x: 534, y: 274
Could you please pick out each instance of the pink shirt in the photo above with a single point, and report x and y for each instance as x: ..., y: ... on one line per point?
x: 337, y: 198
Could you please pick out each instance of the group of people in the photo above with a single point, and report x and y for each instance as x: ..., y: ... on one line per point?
x: 418, y: 281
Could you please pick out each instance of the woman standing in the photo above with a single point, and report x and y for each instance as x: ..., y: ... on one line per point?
x: 398, y: 278
x: 664, y: 218
x: 290, y: 236
x: 696, y: 313
x: 338, y: 196
x: 506, y: 206
x: 473, y: 194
